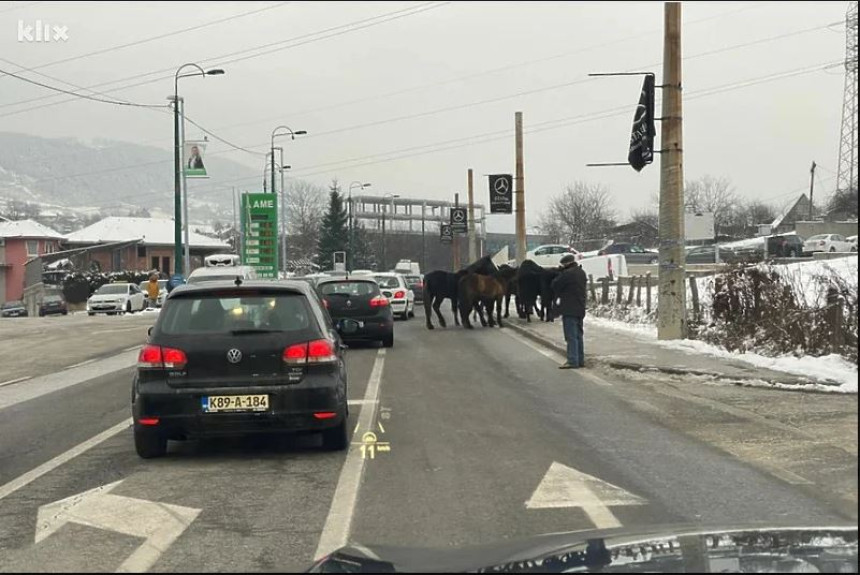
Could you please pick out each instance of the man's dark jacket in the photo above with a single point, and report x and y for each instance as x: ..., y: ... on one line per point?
x: 570, y: 287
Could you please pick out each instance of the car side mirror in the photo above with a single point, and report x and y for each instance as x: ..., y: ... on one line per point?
x: 149, y: 330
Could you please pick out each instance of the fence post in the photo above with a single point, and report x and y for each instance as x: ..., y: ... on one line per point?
x: 591, y: 288
x: 835, y: 317
x: 619, y: 289
x: 604, y: 296
x: 694, y: 289
x: 648, y: 292
x: 639, y: 291
x: 630, y: 292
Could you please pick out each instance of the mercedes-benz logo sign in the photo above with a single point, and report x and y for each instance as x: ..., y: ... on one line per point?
x: 501, y: 186
x: 459, y: 216
x: 234, y: 356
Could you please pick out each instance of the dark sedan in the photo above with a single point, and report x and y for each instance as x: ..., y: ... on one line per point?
x: 13, y: 309
x: 52, y: 305
x: 359, y: 307
x: 225, y: 359
x: 632, y: 253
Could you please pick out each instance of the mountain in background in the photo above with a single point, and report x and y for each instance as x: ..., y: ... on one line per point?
x: 82, y: 180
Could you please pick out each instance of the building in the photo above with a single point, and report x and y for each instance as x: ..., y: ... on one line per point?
x: 21, y: 241
x: 786, y: 221
x: 118, y: 243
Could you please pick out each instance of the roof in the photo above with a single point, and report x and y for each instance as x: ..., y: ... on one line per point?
x: 250, y: 285
x: 151, y: 232
x: 778, y: 221
x: 27, y: 229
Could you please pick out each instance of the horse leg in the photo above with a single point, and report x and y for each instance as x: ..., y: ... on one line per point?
x: 484, y: 322
x: 428, y: 301
x: 507, y: 305
x: 499, y: 312
x: 465, y: 310
x: 437, y: 303
x: 455, y: 310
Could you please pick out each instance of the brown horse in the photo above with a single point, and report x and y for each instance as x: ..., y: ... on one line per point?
x: 477, y: 292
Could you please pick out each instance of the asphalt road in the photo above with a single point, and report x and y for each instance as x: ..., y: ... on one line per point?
x: 486, y: 441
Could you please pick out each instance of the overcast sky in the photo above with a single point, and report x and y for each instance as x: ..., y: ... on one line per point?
x: 373, y: 81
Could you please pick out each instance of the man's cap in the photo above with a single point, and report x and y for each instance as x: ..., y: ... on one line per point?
x: 568, y: 259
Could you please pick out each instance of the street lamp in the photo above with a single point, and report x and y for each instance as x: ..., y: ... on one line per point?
x: 178, y: 263
x: 349, y: 203
x: 275, y: 134
x: 386, y: 196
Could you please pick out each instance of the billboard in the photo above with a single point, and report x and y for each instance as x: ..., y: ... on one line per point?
x: 260, y: 233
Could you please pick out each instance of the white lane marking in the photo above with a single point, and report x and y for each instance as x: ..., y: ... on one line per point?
x: 13, y: 381
x: 52, y: 464
x: 337, y: 526
x: 563, y: 486
x: 116, y: 330
x: 362, y: 401
x: 87, y: 362
x: 133, y: 348
x: 159, y: 524
x: 49, y: 383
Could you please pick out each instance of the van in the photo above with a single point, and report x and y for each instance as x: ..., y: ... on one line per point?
x: 221, y: 260
x: 408, y: 267
x: 221, y: 273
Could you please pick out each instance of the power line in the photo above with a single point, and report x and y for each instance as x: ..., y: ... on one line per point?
x: 19, y: 6
x: 305, y: 39
x: 222, y: 140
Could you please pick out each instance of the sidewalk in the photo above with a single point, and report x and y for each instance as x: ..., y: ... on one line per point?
x: 625, y: 349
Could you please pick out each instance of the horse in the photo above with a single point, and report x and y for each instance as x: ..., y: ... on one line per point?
x: 510, y: 272
x: 440, y: 285
x: 529, y: 288
x: 477, y: 292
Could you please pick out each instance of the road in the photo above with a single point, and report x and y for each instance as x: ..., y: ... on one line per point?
x: 486, y: 441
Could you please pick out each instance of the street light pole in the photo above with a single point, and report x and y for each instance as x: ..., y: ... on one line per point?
x: 178, y: 264
x: 391, y: 197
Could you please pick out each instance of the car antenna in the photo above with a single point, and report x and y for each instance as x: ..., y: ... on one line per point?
x: 238, y: 281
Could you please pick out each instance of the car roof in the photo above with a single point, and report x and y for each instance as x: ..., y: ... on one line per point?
x: 219, y: 270
x: 250, y: 285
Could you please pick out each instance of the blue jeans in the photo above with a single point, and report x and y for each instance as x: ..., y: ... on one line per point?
x: 573, y: 337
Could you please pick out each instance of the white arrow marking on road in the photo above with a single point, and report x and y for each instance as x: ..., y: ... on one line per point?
x: 563, y: 486
x: 159, y: 523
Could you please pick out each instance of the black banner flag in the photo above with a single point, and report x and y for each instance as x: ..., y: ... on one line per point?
x: 642, y: 137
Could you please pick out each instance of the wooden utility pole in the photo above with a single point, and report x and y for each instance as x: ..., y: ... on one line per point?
x: 455, y: 244
x: 672, y: 304
x: 472, y: 247
x: 521, y: 192
x: 811, y: 190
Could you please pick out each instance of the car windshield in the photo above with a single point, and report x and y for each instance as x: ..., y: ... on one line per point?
x: 11, y: 304
x: 52, y: 299
x: 112, y: 289
x: 225, y: 313
x: 348, y: 288
x: 387, y: 282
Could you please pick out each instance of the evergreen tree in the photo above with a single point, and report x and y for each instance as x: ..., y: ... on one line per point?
x: 363, y: 255
x: 334, y: 232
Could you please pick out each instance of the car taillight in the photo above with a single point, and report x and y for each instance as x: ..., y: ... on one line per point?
x: 316, y: 351
x: 379, y: 301
x: 399, y: 295
x: 157, y: 357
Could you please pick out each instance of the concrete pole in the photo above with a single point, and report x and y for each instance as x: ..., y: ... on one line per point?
x: 472, y: 247
x: 520, y: 191
x: 811, y: 191
x: 455, y: 245
x: 672, y: 307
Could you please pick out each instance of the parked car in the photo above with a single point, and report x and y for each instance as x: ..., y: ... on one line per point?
x: 416, y: 284
x: 221, y: 273
x: 359, y: 299
x: 13, y: 308
x: 393, y: 286
x: 703, y: 255
x: 549, y: 256
x: 53, y: 304
x: 853, y: 241
x: 785, y: 246
x: 162, y: 291
x: 828, y: 243
x: 633, y: 253
x: 116, y: 298
x: 222, y: 359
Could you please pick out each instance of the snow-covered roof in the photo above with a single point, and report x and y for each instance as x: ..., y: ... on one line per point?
x: 151, y: 231
x: 26, y: 229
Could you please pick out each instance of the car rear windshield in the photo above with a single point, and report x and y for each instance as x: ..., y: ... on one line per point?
x: 413, y: 279
x: 820, y: 237
x: 230, y: 312
x: 351, y: 288
x: 212, y: 278
x: 52, y: 298
x: 113, y: 289
x: 387, y: 282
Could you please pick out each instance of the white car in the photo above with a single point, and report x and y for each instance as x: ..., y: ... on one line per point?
x: 402, y: 299
x: 549, y: 256
x: 828, y: 243
x: 853, y: 241
x: 221, y: 273
x: 116, y: 298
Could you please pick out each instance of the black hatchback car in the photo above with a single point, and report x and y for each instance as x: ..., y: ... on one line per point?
x: 228, y: 359
x: 356, y: 305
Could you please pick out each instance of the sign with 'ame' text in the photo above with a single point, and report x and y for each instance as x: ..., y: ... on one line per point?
x: 260, y: 233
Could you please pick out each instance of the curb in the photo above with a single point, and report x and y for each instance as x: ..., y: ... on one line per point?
x: 631, y: 366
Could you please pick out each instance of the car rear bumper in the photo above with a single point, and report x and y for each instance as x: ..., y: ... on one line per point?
x: 399, y: 305
x: 52, y: 311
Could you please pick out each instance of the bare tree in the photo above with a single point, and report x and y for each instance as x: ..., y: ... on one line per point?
x: 714, y: 195
x: 306, y: 206
x: 843, y: 204
x: 582, y: 212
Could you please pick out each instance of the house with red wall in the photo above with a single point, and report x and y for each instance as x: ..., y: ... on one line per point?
x: 20, y: 241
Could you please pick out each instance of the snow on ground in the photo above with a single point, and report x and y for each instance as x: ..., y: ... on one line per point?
x: 830, y: 367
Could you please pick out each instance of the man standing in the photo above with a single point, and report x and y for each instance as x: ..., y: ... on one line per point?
x: 152, y: 289
x: 570, y: 288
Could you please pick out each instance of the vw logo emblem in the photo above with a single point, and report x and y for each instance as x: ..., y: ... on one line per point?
x: 501, y: 186
x: 234, y: 356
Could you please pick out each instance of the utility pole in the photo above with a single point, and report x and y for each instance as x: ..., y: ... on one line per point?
x: 472, y: 246
x: 235, y: 225
x: 811, y: 190
x: 521, y: 192
x: 423, y: 242
x: 455, y: 244
x: 672, y: 309
x: 177, y: 189
x: 186, y: 264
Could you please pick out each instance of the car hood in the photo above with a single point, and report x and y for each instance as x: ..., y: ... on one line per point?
x: 107, y: 297
x: 755, y: 549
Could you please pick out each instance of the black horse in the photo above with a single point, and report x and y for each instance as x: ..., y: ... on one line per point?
x: 440, y: 285
x: 534, y: 283
x: 510, y: 273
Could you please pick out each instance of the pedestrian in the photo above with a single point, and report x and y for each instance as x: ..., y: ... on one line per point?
x: 152, y: 290
x: 570, y: 289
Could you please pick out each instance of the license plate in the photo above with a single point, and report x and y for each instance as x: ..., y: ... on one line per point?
x: 219, y: 403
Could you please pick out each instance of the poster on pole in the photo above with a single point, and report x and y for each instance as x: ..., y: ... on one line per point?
x: 641, y: 152
x: 194, y: 165
x: 446, y: 234
x: 501, y: 194
x: 459, y: 220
